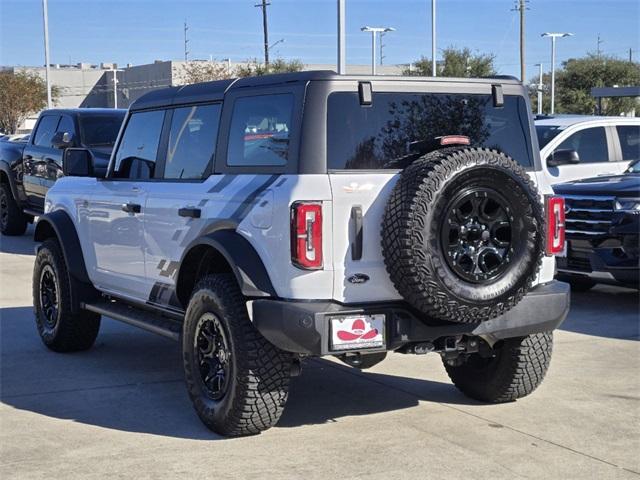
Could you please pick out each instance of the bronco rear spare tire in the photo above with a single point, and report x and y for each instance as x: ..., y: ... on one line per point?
x: 463, y: 234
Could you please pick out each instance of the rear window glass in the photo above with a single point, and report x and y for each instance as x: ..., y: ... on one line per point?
x: 100, y: 130
x: 629, y: 141
x: 372, y: 137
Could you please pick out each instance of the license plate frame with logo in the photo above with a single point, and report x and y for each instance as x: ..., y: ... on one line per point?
x: 357, y: 332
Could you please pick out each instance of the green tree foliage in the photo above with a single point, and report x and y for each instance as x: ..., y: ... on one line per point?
x: 578, y: 76
x: 203, y: 71
x: 457, y: 62
x: 21, y: 94
x: 254, y: 68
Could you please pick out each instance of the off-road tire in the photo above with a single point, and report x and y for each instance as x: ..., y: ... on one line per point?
x: 70, y: 331
x: 259, y: 382
x: 12, y: 221
x: 413, y: 221
x: 517, y: 369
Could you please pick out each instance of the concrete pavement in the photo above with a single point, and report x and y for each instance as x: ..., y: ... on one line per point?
x: 121, y: 409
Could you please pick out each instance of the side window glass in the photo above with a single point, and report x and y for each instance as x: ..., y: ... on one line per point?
x: 66, y: 125
x: 259, y: 134
x: 45, y: 131
x: 590, y: 143
x: 192, y: 141
x: 138, y: 149
x: 629, y: 136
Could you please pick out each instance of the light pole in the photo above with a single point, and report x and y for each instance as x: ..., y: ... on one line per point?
x: 342, y: 63
x: 540, y: 85
x: 374, y: 31
x: 553, y: 37
x: 115, y: 86
x: 433, y: 38
x: 45, y: 15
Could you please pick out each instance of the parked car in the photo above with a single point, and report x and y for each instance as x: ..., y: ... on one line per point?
x: 31, y: 164
x: 260, y: 221
x: 573, y: 147
x: 602, y: 230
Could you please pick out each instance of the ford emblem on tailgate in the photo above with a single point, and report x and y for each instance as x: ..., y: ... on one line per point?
x: 357, y: 278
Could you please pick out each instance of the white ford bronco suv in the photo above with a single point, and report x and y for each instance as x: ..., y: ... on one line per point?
x: 261, y: 221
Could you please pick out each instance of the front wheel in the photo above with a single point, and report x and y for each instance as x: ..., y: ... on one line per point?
x: 237, y: 380
x: 516, y: 369
x: 60, y: 328
x: 12, y: 220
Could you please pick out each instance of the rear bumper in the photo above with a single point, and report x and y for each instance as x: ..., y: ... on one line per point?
x: 303, y: 326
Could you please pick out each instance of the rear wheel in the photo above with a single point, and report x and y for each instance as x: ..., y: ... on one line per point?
x: 516, y: 369
x: 237, y: 380
x: 12, y: 220
x: 60, y: 329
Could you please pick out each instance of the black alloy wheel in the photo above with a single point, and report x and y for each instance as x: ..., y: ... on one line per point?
x: 49, y: 297
x: 476, y: 234
x: 213, y: 356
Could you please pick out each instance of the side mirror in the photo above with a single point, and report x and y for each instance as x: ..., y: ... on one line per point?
x: 563, y: 157
x: 77, y: 162
x: 62, y: 140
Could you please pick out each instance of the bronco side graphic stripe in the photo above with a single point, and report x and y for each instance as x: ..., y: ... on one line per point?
x: 248, y: 203
x: 222, y: 184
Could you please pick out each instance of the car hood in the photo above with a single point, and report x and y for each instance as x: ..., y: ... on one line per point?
x: 626, y: 185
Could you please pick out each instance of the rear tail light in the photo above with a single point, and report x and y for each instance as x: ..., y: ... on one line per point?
x: 555, y: 225
x: 306, y: 235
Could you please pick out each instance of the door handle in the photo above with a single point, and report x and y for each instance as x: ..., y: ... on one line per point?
x: 356, y: 245
x: 131, y: 208
x: 189, y: 212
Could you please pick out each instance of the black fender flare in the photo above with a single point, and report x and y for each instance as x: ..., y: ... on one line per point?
x: 6, y: 169
x: 61, y: 224
x: 246, y: 264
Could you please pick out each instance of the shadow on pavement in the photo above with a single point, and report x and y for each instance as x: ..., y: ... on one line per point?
x: 605, y: 311
x: 132, y: 381
x: 21, y: 245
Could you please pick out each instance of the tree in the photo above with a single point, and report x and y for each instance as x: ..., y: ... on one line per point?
x: 457, y: 62
x: 254, y: 68
x: 578, y: 76
x: 202, y: 71
x: 21, y: 94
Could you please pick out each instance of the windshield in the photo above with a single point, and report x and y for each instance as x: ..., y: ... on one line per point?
x: 100, y: 130
x: 546, y: 133
x: 372, y: 137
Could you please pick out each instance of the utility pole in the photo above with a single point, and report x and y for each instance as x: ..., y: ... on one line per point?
x: 265, y: 29
x: 598, y: 45
x: 433, y: 38
x: 342, y: 64
x: 630, y: 55
x: 540, y: 85
x: 45, y: 15
x: 186, y: 42
x: 521, y: 7
x: 382, y: 45
x: 553, y: 37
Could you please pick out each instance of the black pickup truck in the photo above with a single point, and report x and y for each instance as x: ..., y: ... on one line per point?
x: 28, y: 169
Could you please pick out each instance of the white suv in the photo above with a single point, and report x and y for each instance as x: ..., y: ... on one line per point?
x: 575, y: 147
x: 264, y: 220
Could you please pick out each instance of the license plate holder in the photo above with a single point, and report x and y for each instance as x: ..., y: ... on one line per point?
x: 357, y: 332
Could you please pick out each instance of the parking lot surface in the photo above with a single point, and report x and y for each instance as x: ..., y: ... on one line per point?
x: 121, y: 409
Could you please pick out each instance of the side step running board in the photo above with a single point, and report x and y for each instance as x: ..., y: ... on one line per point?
x: 138, y: 318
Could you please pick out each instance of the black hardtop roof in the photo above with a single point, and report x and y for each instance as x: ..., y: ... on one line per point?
x: 213, y: 91
x: 85, y: 111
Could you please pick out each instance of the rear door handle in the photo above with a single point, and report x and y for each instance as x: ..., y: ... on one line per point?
x: 189, y: 212
x: 131, y: 208
x: 356, y: 246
